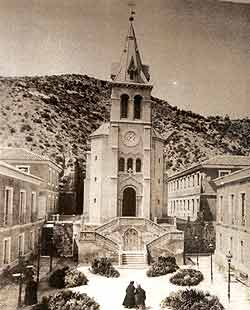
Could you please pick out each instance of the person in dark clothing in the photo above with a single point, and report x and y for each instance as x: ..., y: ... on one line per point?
x: 140, y: 297
x: 30, y: 297
x: 43, y: 305
x: 129, y: 300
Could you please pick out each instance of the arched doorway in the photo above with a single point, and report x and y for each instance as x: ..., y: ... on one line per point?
x: 129, y: 202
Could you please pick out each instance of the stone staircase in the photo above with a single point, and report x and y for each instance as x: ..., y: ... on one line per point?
x: 133, y: 259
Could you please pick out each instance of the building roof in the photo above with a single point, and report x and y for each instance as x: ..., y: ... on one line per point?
x: 156, y: 134
x: 233, y: 177
x: 220, y: 161
x: 130, y: 63
x: 228, y: 160
x: 21, y: 154
x: 102, y: 130
x: 13, y: 172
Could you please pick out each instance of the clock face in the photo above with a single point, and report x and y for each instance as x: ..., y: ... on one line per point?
x: 130, y: 138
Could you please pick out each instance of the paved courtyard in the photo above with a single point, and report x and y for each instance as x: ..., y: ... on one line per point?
x: 110, y: 292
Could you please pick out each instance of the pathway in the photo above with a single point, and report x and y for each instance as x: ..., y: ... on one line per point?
x: 110, y: 292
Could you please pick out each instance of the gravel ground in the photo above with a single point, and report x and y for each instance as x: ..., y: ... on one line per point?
x: 110, y: 292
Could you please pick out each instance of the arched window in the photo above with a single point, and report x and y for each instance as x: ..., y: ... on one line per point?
x: 130, y: 164
x: 138, y: 165
x: 124, y: 106
x: 121, y: 164
x: 137, y: 106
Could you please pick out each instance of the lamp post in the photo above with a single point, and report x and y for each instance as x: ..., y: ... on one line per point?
x: 197, y: 243
x: 229, y: 259
x: 211, y: 247
x: 20, y: 276
x: 38, y: 258
x: 51, y: 254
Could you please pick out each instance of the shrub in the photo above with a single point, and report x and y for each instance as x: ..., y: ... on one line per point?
x: 163, y: 266
x: 187, y: 277
x: 57, y: 278
x: 68, y: 300
x: 75, y: 278
x: 66, y: 277
x: 103, y: 266
x: 191, y: 299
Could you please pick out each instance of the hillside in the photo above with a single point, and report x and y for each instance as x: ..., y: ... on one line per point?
x: 54, y: 115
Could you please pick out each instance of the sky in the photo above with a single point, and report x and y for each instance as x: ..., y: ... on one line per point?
x: 198, y: 50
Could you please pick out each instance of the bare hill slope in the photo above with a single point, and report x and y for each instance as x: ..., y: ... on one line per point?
x: 54, y: 115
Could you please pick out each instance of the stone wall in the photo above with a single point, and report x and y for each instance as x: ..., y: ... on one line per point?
x: 170, y: 244
x: 92, y: 245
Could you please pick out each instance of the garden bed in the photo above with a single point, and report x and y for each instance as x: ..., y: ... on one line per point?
x: 187, y: 277
x: 66, y: 277
x: 68, y: 300
x: 191, y: 299
x: 163, y: 266
x: 104, y: 267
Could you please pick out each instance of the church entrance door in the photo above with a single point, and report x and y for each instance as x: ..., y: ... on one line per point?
x: 131, y: 240
x: 129, y: 202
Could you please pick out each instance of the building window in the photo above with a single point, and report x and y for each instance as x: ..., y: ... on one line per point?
x: 8, y: 205
x: 232, y: 207
x: 223, y: 173
x: 95, y: 179
x: 158, y: 200
x: 94, y: 200
x: 159, y: 160
x: 198, y: 179
x: 231, y: 245
x: 221, y: 208
x: 23, y: 168
x: 242, y: 252
x: 22, y: 206
x: 137, y: 106
x: 159, y: 181
x: 220, y: 242
x: 193, y: 181
x: 31, y: 240
x: 50, y: 177
x: 20, y: 246
x: 193, y: 206
x: 121, y: 164
x: 243, y: 208
x: 138, y: 165
x: 95, y: 157
x: 33, y: 206
x: 124, y: 106
x: 130, y: 165
x: 6, y: 250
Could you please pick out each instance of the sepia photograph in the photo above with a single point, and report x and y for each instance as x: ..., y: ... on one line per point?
x: 125, y: 154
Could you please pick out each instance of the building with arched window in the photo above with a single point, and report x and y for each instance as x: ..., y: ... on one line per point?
x: 130, y: 188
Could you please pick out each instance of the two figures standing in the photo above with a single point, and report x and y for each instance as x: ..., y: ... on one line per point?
x: 135, y: 297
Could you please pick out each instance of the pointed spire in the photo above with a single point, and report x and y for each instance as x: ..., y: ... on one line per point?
x: 130, y: 69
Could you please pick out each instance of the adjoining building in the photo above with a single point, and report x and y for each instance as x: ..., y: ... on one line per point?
x: 124, y: 190
x: 40, y: 166
x: 193, y: 190
x: 233, y: 222
x: 20, y: 219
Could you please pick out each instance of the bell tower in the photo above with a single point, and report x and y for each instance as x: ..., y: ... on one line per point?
x: 131, y: 130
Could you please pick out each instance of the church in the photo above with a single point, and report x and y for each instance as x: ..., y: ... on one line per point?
x: 124, y: 189
x: 125, y: 168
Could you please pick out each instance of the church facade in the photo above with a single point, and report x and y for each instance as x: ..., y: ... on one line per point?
x: 124, y: 190
x: 125, y: 167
